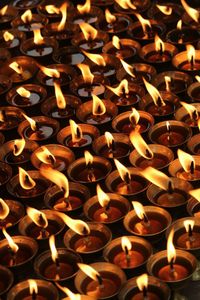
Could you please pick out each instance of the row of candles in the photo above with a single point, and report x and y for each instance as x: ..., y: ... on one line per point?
x: 106, y: 198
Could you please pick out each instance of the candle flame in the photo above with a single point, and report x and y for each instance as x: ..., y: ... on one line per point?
x: 188, y: 224
x: 58, y: 178
x: 98, y: 107
x: 195, y: 193
x: 45, y: 156
x: 121, y: 88
x: 126, y: 244
x: 68, y: 293
x: 25, y: 180
x: 33, y: 288
x: 190, y: 53
x: 3, y: 10
x: 89, y: 271
x: 4, y: 209
x: 154, y: 93
x: 38, y: 39
x: 78, y: 226
x: 139, y: 209
x: 14, y: 247
x: 63, y: 10
x: 191, y: 109
x: 109, y: 138
x: 110, y: 18
x: 23, y: 92
x: 1, y: 116
x: 123, y: 171
x: 103, y: 198
x: 50, y: 72
x: 140, y: 145
x: 134, y: 116
x: 31, y: 122
x: 171, y: 251
x: 186, y: 160
x: 166, y: 10
x: 54, y: 252
x: 116, y: 42
x: 60, y: 99
x: 193, y: 13
x: 86, y: 73
x: 18, y: 147
x: 142, y: 282
x: 76, y: 131
x: 16, y: 67
x: 179, y: 25
x: 88, y: 31
x: 128, y: 68
x: 198, y: 123
x: 8, y: 36
x: 38, y: 217
x: 88, y: 157
x: 145, y: 23
x: 159, y: 44
x: 96, y: 58
x: 52, y: 9
x: 126, y: 4
x: 167, y: 83
x: 85, y: 8
x: 197, y: 78
x: 27, y: 16
x: 156, y: 177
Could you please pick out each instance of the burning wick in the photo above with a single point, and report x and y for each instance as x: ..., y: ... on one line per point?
x: 55, y: 257
x: 104, y: 201
x: 126, y: 246
x: 142, y: 283
x: 168, y: 131
x: 110, y: 142
x: 92, y: 273
x: 39, y: 218
x: 140, y: 212
x: 89, y: 164
x: 189, y: 225
x: 13, y: 247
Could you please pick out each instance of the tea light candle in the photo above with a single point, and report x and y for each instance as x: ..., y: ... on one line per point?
x: 182, y: 36
x: 11, y: 213
x: 130, y: 8
x: 8, y: 13
x: 169, y: 13
x: 6, y: 280
x: 193, y: 203
x: 193, y: 144
x: 11, y: 39
x: 10, y: 117
x: 187, y: 60
x: 188, y: 113
x: 85, y: 13
x: 190, y: 16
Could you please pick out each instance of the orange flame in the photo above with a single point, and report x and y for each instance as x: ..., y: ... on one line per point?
x: 78, y: 226
x: 193, y: 13
x: 89, y: 271
x: 154, y: 93
x: 38, y: 39
x: 63, y: 10
x: 98, y: 107
x: 85, y: 8
x: 4, y: 209
x: 1, y: 116
x: 195, y: 193
x: 142, y: 282
x: 188, y: 224
x: 109, y: 139
x: 192, y: 111
x: 139, y: 209
x: 190, y: 53
x: 121, y: 88
x: 16, y: 67
x: 166, y: 10
x: 128, y: 68
x: 140, y: 145
x: 186, y: 160
x: 88, y: 31
x: 27, y: 16
x: 52, y: 9
x: 109, y: 17
x: 126, y: 244
x: 25, y: 180
x: 32, y: 122
x: 198, y: 123
x: 3, y: 10
x: 66, y: 291
x: 103, y: 198
x: 19, y: 145
x: 38, y: 217
x: 23, y: 92
x: 76, y: 131
x: 167, y: 83
x: 159, y: 44
x: 88, y: 157
x: 96, y: 58
x: 145, y: 23
x: 33, y: 288
x: 156, y: 177
x: 60, y: 99
x: 86, y: 73
x: 126, y: 4
x: 54, y: 252
x: 179, y: 25
x: 197, y: 78
x: 45, y: 156
x: 50, y: 72
x: 10, y: 241
x: 171, y: 251
x: 116, y: 42
x: 123, y: 171
x: 134, y: 116
x: 8, y: 36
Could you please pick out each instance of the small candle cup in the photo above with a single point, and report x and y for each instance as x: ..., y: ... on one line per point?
x: 13, y: 116
x: 55, y: 226
x: 10, y: 14
x: 136, y: 32
x: 5, y: 84
x: 16, y: 212
x: 12, y: 45
x: 180, y: 62
x: 160, y: 112
x: 21, y: 5
x: 134, y: 189
x: 121, y: 123
x: 28, y: 248
x: 193, y: 92
x: 69, y: 55
x: 162, y: 156
x: 87, y: 245
x: 118, y: 208
x: 37, y: 22
x: 140, y: 70
x: 179, y: 81
x: 138, y: 255
x: 182, y: 240
x: 6, y: 280
x: 67, y: 74
x: 85, y: 89
x: 124, y: 101
x: 91, y: 17
x: 63, y: 157
x: 193, y: 144
x: 46, y: 290
x: 78, y: 171
x: 141, y: 5
x: 159, y: 221
x: 112, y: 276
x: 156, y: 290
x: 176, y: 170
x: 5, y: 173
x: 27, y: 64
x: 47, y: 129
x: 41, y: 9
x: 121, y: 149
x: 180, y: 38
x: 175, y: 200
x: 185, y: 266
x: 91, y: 45
x: 50, y: 108
x: 90, y: 133
x: 38, y: 94
x: 46, y: 269
x: 7, y: 155
x: 193, y: 207
x: 182, y: 115
x: 179, y: 135
x: 84, y: 113
x: 78, y: 194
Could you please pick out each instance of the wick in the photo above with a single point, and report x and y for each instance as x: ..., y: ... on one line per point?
x: 144, y: 292
x: 112, y: 146
x: 127, y: 256
x: 100, y: 280
x: 148, y: 31
x: 149, y: 154
x: 107, y: 206
x: 52, y: 159
x: 192, y: 62
x: 192, y: 168
x: 34, y: 295
x: 161, y: 50
x: 195, y: 115
x: 15, y: 148
x: 127, y: 178
x: 190, y: 231
x: 13, y: 258
x: 171, y: 264
x: 27, y: 180
x: 91, y: 176
x: 170, y: 187
x: 146, y: 220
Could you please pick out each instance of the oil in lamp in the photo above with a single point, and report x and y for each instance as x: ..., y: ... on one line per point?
x: 188, y: 113
x: 145, y: 155
x: 100, y: 280
x: 11, y: 212
x: 188, y: 61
